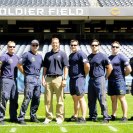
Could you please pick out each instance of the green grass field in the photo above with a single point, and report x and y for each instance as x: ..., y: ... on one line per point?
x: 69, y: 127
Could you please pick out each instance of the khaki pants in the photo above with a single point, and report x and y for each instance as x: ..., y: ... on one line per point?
x: 54, y: 85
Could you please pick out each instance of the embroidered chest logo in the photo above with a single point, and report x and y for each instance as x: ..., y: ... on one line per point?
x: 58, y: 56
x: 10, y: 61
x: 33, y: 59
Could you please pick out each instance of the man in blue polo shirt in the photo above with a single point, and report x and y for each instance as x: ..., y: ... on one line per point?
x: 55, y: 66
x: 131, y: 63
x: 8, y: 90
x: 116, y: 80
x: 97, y: 89
x: 31, y: 63
x: 78, y: 69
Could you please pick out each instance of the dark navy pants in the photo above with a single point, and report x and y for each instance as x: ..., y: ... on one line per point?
x: 97, y: 90
x: 8, y: 91
x: 32, y: 93
x: 132, y: 87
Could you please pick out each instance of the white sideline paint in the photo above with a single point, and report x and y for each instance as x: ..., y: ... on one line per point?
x: 112, y: 128
x: 13, y: 130
x: 64, y: 125
x: 63, y: 129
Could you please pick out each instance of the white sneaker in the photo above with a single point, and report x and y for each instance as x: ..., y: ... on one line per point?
x: 47, y: 121
x: 59, y: 121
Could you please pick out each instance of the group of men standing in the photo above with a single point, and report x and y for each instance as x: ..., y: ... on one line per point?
x: 56, y: 68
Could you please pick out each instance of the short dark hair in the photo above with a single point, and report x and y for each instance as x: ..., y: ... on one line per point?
x: 116, y: 43
x: 74, y: 40
x: 95, y: 40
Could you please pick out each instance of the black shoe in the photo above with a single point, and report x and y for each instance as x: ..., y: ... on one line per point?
x: 92, y: 119
x: 34, y: 120
x: 123, y: 119
x: 2, y: 122
x: 105, y: 121
x: 73, y: 119
x: 113, y: 118
x: 131, y: 118
x: 13, y: 120
x: 81, y: 120
x: 22, y: 122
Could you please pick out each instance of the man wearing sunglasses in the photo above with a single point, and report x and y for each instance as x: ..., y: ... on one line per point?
x: 78, y: 69
x: 31, y: 63
x: 97, y: 89
x: 8, y: 89
x: 116, y: 80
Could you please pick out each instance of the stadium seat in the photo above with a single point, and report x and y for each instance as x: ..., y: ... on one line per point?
x: 42, y: 3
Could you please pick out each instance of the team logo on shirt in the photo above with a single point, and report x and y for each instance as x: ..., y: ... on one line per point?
x: 58, y: 56
x: 33, y: 59
x: 10, y: 61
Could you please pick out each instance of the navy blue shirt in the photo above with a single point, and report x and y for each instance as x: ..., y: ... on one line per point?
x: 98, y: 62
x: 55, y: 62
x: 131, y: 63
x: 32, y: 63
x: 9, y: 62
x: 76, y: 62
x: 119, y: 62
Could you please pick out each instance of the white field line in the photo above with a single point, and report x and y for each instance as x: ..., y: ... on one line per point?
x: 13, y: 130
x: 63, y: 129
x: 64, y: 125
x: 112, y: 128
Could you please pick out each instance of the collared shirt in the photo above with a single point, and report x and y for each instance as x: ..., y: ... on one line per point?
x: 131, y: 63
x: 32, y: 63
x: 98, y: 62
x: 76, y: 61
x: 9, y: 63
x: 119, y: 62
x: 55, y: 62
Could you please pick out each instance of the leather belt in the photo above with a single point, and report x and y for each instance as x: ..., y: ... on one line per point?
x: 53, y: 76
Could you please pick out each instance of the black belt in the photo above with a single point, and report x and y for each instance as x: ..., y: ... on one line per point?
x: 53, y: 76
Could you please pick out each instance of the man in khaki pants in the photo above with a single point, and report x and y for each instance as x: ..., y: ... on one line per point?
x: 55, y: 66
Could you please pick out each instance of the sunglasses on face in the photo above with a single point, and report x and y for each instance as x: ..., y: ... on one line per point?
x: 11, y: 46
x: 35, y: 45
x: 73, y: 45
x: 94, y: 45
x: 115, y: 47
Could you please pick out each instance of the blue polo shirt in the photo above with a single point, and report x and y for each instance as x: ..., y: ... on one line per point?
x: 98, y: 62
x: 76, y: 61
x: 9, y: 62
x: 55, y: 62
x: 119, y: 62
x: 32, y: 63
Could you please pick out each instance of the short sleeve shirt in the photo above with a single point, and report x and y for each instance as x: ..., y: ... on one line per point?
x: 55, y: 62
x: 9, y: 63
x: 32, y: 63
x: 119, y: 62
x: 98, y: 62
x: 131, y: 63
x: 76, y: 64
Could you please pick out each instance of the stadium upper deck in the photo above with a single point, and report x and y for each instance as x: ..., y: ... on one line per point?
x: 42, y: 3
x: 65, y: 3
x: 120, y: 3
